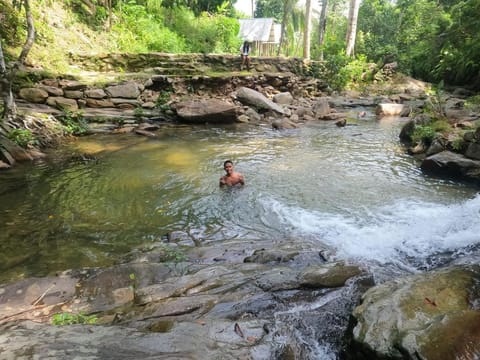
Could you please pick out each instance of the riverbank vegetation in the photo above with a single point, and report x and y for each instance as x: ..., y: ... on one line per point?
x: 429, y: 40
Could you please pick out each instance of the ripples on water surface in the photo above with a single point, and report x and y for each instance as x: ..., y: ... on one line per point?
x: 352, y: 188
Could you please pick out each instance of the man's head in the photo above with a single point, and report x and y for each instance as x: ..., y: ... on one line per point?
x: 228, y: 166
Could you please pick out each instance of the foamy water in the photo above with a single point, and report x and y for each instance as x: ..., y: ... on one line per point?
x: 393, y: 233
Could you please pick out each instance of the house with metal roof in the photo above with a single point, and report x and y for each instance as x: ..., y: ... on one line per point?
x: 262, y: 33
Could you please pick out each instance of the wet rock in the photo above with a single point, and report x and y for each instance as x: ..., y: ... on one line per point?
x: 263, y: 256
x: 428, y: 316
x: 282, y: 124
x: 328, y: 275
x: 473, y: 151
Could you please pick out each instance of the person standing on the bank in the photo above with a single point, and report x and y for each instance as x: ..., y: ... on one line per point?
x: 245, y: 53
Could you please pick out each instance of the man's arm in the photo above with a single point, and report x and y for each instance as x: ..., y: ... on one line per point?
x: 222, y: 181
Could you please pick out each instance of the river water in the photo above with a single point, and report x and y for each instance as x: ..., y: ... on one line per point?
x: 353, y: 189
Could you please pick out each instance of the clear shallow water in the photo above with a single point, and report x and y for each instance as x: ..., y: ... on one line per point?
x: 351, y: 188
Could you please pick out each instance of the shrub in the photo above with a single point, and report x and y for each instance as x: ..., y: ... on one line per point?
x: 71, y: 319
x: 22, y: 137
x: 74, y: 123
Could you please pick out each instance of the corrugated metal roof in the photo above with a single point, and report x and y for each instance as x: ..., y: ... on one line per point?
x: 261, y: 29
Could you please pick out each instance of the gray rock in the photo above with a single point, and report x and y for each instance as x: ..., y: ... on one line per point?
x: 447, y: 163
x: 63, y: 103
x: 284, y: 98
x: 259, y: 101
x: 207, y: 110
x: 473, y: 151
x: 95, y: 93
x: 129, y: 90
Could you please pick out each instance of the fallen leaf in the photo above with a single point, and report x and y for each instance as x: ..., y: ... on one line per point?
x: 251, y: 339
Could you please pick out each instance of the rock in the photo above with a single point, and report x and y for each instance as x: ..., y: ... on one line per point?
x: 63, y: 103
x: 281, y: 124
x: 428, y: 316
x: 473, y: 151
x: 129, y: 90
x: 16, y: 152
x: 254, y: 98
x: 145, y: 133
x: 33, y: 95
x: 284, y: 98
x: 438, y: 145
x: 206, y: 110
x: 386, y: 109
x: 73, y: 94
x: 450, y: 164
x: 331, y: 275
x: 341, y: 122
x: 243, y: 119
x: 100, y: 103
x: 4, y: 165
x: 51, y: 90
x: 264, y: 256
x: 321, y: 108
x: 95, y: 93
x: 72, y: 85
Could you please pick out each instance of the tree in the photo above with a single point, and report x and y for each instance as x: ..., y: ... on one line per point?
x: 287, y: 14
x: 352, y: 26
x: 8, y: 75
x: 307, y: 30
x: 322, y: 26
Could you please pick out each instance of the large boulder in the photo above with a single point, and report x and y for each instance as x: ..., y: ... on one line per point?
x: 206, y: 111
x: 432, y: 316
x: 450, y: 164
x: 257, y: 100
x: 33, y: 95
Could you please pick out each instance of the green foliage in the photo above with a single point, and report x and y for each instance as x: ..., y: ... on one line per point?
x: 269, y: 9
x: 72, y: 319
x: 22, y: 137
x: 162, y: 100
x: 138, y: 112
x: 458, y: 144
x: 473, y: 103
x: 173, y: 30
x: 74, y: 123
x: 427, y: 132
x: 10, y: 23
x: 423, y: 133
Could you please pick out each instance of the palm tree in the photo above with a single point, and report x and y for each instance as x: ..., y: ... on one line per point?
x: 352, y: 26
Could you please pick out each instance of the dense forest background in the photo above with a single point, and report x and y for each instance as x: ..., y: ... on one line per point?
x: 433, y: 40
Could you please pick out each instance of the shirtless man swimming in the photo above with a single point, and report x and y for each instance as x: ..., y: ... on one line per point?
x: 232, y: 178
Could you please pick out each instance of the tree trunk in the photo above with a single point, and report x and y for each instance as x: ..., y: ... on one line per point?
x: 352, y: 26
x: 308, y: 30
x: 287, y: 9
x: 7, y: 76
x: 322, y: 27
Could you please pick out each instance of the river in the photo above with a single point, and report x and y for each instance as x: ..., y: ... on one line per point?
x: 353, y: 189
